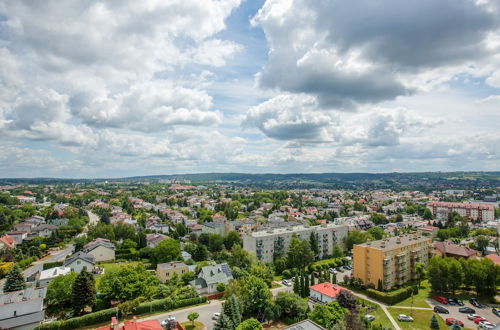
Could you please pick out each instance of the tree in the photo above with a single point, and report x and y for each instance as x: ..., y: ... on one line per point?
x: 481, y: 243
x: 264, y: 272
x: 377, y: 232
x: 299, y: 254
x: 221, y: 287
x: 291, y: 305
x: 337, y: 251
x: 168, y: 250
x: 192, y: 317
x: 258, y: 296
x: 59, y: 291
x: 346, y: 299
x: 327, y: 315
x: 129, y: 307
x: 380, y: 287
x: 83, y: 293
x: 313, y: 241
x: 201, y: 253
x: 15, y: 280
x: 455, y: 274
x: 307, y: 291
x: 296, y: 286
x: 434, y: 322
x: 180, y: 229
x: 249, y: 324
x: 223, y: 323
x: 420, y: 269
x: 378, y: 219
x: 355, y: 237
x: 427, y: 215
x: 233, y: 237
x: 232, y: 308
x: 241, y: 258
x: 215, y: 243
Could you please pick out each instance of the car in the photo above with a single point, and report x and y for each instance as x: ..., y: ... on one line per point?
x: 346, y: 267
x: 442, y: 300
x: 332, y: 270
x: 472, y: 316
x: 475, y: 303
x: 486, y: 325
x: 316, y: 274
x: 286, y: 282
x: 216, y: 316
x: 441, y: 310
x: 405, y: 318
x: 168, y: 321
x: 459, y: 302
x: 466, y: 310
x: 451, y: 320
x: 496, y: 311
x: 452, y: 302
x: 369, y: 317
x: 479, y: 319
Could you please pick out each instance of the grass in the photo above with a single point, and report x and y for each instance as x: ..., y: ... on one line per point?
x: 419, y: 299
x: 275, y: 285
x: 110, y: 267
x: 324, y: 261
x: 380, y: 316
x: 422, y: 318
x: 189, y: 326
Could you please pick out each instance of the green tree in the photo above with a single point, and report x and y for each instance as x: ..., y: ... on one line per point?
x: 378, y: 219
x: 232, y: 308
x: 59, y: 291
x: 296, y: 286
x: 455, y: 274
x: 264, y: 272
x: 192, y: 317
x: 327, y: 315
x: 355, y: 237
x: 223, y: 323
x: 15, y: 280
x: 377, y: 232
x: 129, y: 307
x: 168, y: 250
x: 420, y: 269
x: 434, y: 322
x: 201, y: 253
x: 313, y: 241
x: 258, y: 296
x: 215, y: 243
x: 427, y: 215
x: 241, y: 258
x: 380, y: 287
x: 233, y: 237
x: 306, y: 285
x: 249, y: 324
x: 221, y: 287
x: 337, y: 251
x: 83, y: 292
x: 299, y: 254
x: 481, y: 242
x: 291, y: 305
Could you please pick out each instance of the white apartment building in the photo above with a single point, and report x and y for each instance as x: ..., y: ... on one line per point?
x: 264, y: 244
x: 474, y: 211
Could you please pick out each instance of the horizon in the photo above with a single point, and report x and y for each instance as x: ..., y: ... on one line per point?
x: 238, y: 86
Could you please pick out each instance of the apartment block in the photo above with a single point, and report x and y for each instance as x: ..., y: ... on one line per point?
x: 265, y: 244
x: 390, y: 260
x: 474, y: 211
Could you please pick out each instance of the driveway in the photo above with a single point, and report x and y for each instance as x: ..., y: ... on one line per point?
x: 454, y: 313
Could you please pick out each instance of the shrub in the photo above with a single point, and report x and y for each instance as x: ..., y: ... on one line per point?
x: 49, y: 265
x: 391, y: 297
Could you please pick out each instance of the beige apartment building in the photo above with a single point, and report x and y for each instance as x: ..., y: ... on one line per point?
x: 167, y: 270
x: 390, y: 260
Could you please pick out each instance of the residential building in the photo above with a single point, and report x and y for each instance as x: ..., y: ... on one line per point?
x: 43, y: 230
x: 304, y: 325
x: 101, y: 249
x: 450, y: 249
x: 154, y: 239
x: 428, y: 230
x: 474, y: 211
x: 214, y: 228
x: 46, y: 276
x: 494, y: 257
x: 325, y: 292
x: 24, y: 226
x: 25, y: 199
x: 210, y: 276
x: 390, y: 261
x: 267, y: 243
x: 7, y: 242
x: 18, y: 236
x: 80, y: 260
x: 167, y: 270
x: 22, y: 310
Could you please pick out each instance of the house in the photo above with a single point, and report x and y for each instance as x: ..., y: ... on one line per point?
x: 22, y: 310
x: 213, y: 228
x: 325, y: 292
x: 186, y: 255
x: 18, y: 236
x: 210, y: 276
x: 428, y: 230
x: 155, y: 239
x: 450, y: 249
x: 133, y: 325
x: 80, y: 260
x: 24, y: 226
x: 7, y: 242
x: 46, y: 276
x: 101, y: 249
x: 304, y: 325
x: 36, y: 219
x: 43, y: 230
x: 494, y: 257
x: 58, y: 222
x: 167, y: 270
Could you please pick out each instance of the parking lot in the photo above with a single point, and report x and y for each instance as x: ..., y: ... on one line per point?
x: 454, y: 313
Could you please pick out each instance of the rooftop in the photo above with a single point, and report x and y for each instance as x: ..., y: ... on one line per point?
x: 22, y: 295
x: 396, y: 241
x: 454, y: 249
x: 327, y: 289
x: 304, y: 325
x: 292, y: 229
x: 54, y: 272
x: 172, y: 265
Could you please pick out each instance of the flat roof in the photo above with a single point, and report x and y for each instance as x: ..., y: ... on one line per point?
x: 292, y: 229
x: 396, y: 241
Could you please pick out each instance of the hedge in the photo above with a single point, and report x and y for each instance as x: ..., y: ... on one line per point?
x: 391, y: 297
x: 49, y: 265
x: 107, y: 314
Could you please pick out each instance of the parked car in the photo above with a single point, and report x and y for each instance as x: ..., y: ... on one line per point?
x: 405, y: 318
x: 349, y: 267
x: 496, y: 311
x: 332, y: 270
x: 442, y: 300
x: 216, y: 316
x: 168, y: 322
x: 479, y: 319
x: 441, y: 310
x: 475, y: 303
x: 286, y: 282
x: 369, y: 317
x: 451, y: 320
x: 452, y: 302
x: 459, y: 302
x: 486, y: 325
x: 472, y: 316
x: 467, y: 310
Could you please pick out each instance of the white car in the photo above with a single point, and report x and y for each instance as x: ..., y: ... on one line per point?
x: 369, y: 317
x: 486, y: 325
x: 216, y: 316
x: 332, y: 270
x: 169, y: 320
x: 405, y: 318
x: 472, y: 316
x: 286, y: 282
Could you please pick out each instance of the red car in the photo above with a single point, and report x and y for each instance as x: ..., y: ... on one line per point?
x: 451, y: 320
x: 480, y: 319
x: 442, y: 300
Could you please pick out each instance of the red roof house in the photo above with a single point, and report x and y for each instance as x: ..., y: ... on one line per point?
x: 325, y: 292
x: 133, y: 325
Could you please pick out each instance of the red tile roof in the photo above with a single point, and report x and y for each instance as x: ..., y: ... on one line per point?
x: 8, y: 241
x: 494, y: 257
x: 328, y: 289
x: 454, y: 249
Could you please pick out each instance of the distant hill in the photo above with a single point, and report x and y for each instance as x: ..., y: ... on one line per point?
x: 422, y: 181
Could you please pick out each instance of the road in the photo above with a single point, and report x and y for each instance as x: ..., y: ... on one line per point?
x: 206, y: 311
x: 93, y: 220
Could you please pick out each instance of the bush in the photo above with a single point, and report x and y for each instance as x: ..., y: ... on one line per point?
x: 391, y: 297
x: 25, y: 263
x: 49, y: 265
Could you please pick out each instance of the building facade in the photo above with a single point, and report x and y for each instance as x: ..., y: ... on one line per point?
x: 474, y: 211
x: 22, y: 310
x: 167, y: 270
x: 391, y: 260
x: 268, y: 243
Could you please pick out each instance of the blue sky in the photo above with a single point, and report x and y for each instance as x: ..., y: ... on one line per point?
x: 121, y: 88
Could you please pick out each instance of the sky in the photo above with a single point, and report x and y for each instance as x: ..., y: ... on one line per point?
x: 92, y: 89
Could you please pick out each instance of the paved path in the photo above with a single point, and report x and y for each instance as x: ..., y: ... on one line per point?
x: 93, y: 220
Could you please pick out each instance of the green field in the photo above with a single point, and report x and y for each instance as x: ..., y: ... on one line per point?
x: 422, y: 318
x: 380, y: 317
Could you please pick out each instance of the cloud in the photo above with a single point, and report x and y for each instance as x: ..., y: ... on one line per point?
x: 351, y: 53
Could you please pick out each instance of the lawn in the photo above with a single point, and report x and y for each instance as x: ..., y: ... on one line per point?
x: 189, y: 326
x: 419, y: 299
x: 380, y: 316
x: 422, y: 318
x: 109, y: 267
